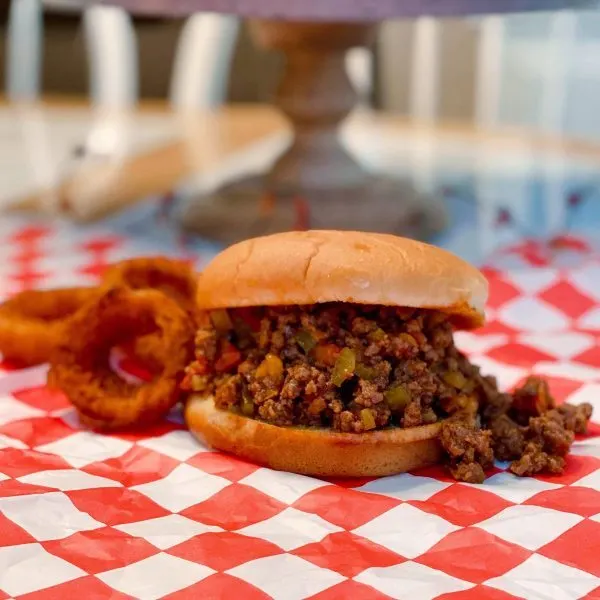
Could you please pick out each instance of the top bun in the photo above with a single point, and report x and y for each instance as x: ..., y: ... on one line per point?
x: 311, y: 267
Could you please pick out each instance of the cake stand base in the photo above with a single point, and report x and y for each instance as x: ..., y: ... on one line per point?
x: 244, y: 209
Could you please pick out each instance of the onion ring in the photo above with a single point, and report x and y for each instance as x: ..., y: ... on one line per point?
x: 32, y: 323
x: 81, y: 366
x: 148, y: 351
x: 175, y: 278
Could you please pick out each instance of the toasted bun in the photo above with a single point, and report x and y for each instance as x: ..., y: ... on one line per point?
x: 343, y: 266
x: 313, y: 451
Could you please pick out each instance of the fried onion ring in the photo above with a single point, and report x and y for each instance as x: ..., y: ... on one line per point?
x: 32, y: 323
x: 175, y: 278
x: 148, y: 351
x: 81, y: 366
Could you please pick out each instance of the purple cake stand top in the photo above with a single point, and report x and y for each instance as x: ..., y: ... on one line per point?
x: 344, y: 10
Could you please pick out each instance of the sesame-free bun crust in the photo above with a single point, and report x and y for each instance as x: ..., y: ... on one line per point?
x: 312, y: 267
x: 320, y: 452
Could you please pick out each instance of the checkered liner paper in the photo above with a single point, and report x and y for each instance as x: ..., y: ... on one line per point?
x: 154, y: 514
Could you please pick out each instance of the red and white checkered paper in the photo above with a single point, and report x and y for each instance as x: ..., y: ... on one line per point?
x: 154, y: 514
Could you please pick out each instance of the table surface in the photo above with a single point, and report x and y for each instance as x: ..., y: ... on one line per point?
x: 345, y: 10
x: 499, y: 185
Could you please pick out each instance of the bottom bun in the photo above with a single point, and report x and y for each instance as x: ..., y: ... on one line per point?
x: 313, y: 451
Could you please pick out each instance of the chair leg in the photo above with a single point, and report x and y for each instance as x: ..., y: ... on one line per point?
x: 202, y: 62
x: 112, y: 51
x: 24, y: 50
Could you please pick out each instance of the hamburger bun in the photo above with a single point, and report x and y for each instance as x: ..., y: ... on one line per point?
x: 311, y: 267
x: 319, y: 452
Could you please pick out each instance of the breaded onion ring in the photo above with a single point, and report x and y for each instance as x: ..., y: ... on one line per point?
x: 32, y: 323
x: 81, y: 367
x: 175, y: 278
x: 148, y: 351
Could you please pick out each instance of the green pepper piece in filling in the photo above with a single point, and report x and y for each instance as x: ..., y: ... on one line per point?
x: 344, y: 367
x: 455, y: 379
x: 221, y: 321
x: 305, y: 340
x: 247, y: 406
x: 376, y: 335
x: 397, y: 397
x: 367, y: 418
x: 364, y: 372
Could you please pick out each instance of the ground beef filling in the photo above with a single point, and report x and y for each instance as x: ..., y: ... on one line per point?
x: 350, y: 368
x: 356, y: 368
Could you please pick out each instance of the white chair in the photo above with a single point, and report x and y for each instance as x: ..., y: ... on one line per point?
x: 202, y: 62
x: 200, y: 71
x: 359, y: 66
x: 24, y: 50
x: 112, y: 53
x: 424, y: 71
x: 112, y: 57
x: 112, y: 61
x: 424, y: 99
x: 489, y: 71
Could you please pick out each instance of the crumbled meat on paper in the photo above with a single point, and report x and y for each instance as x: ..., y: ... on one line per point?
x: 469, y: 448
x: 534, y: 433
x: 508, y: 438
x: 576, y: 417
x: 355, y: 368
x: 549, y: 438
x: 532, y: 399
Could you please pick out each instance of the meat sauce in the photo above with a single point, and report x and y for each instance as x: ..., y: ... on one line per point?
x: 357, y: 368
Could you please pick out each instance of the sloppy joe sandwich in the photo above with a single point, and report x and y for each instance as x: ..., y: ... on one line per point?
x: 332, y: 353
